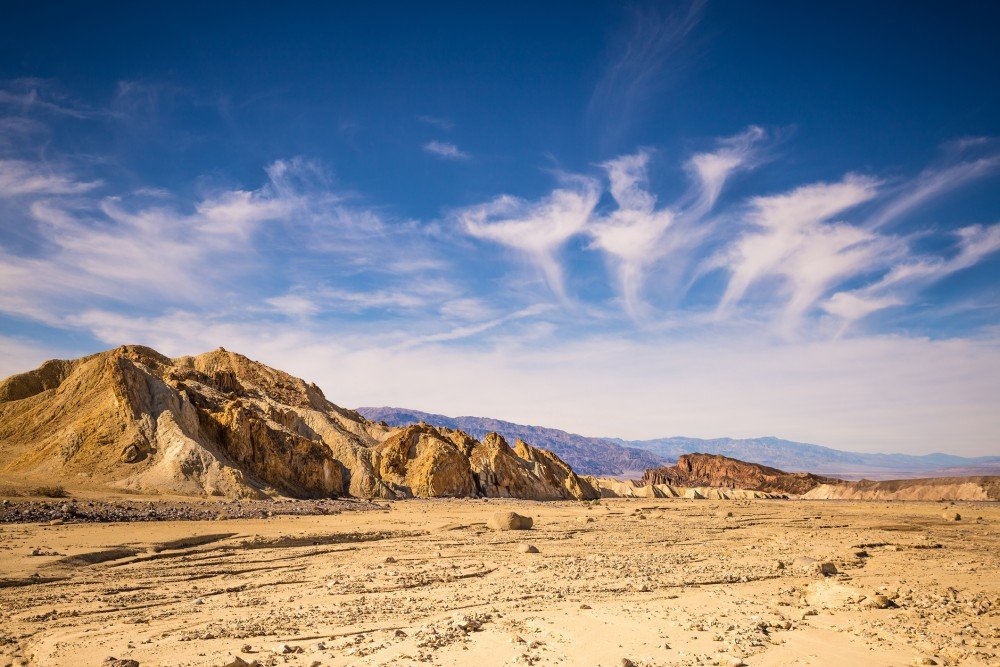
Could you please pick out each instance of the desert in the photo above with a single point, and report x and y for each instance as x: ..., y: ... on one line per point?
x: 212, y: 510
x: 618, y: 333
x: 614, y: 582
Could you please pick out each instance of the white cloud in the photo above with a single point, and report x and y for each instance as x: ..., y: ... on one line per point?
x: 538, y: 229
x: 445, y: 150
x: 116, y: 251
x: 631, y: 235
x: 18, y: 178
x: 975, y: 243
x: 930, y: 184
x: 794, y: 242
x: 713, y: 169
x: 410, y: 295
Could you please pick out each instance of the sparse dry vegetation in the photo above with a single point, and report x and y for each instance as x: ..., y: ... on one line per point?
x: 50, y: 492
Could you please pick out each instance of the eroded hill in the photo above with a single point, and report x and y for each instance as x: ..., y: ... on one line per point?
x: 222, y: 424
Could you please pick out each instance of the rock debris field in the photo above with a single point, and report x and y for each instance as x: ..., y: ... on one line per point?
x: 615, y: 582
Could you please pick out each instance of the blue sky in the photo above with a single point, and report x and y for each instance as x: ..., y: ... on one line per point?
x: 635, y: 220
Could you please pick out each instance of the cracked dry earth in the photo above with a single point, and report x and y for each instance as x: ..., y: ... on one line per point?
x: 621, y: 582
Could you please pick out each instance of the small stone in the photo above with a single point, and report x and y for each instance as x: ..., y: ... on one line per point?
x: 585, y: 606
x: 389, y: 559
x: 528, y: 549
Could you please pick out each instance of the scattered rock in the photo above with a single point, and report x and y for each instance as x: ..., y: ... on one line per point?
x: 131, y: 454
x: 528, y: 549
x: 877, y: 601
x: 240, y: 662
x: 124, y: 662
x: 951, y: 516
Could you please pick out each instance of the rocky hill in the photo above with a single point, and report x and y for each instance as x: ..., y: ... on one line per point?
x: 588, y: 456
x: 713, y: 470
x: 222, y: 424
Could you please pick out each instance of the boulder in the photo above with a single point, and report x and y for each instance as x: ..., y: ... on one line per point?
x: 812, y: 565
x: 508, y: 521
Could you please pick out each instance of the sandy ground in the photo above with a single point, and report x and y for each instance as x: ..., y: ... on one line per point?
x: 644, y: 582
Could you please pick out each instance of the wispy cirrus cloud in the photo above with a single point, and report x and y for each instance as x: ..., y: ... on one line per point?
x: 793, y: 240
x: 439, y: 122
x: 638, y: 234
x: 131, y: 250
x: 973, y: 244
x: 631, y: 235
x: 638, y: 62
x: 536, y: 229
x: 713, y: 168
x: 21, y: 177
x: 446, y: 151
x: 932, y: 183
x: 29, y: 96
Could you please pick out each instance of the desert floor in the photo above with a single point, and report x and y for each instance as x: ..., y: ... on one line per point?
x: 649, y: 582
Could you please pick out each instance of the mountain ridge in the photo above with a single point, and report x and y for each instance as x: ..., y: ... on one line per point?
x: 768, y: 451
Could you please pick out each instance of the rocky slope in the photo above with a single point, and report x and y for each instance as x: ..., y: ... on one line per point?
x: 587, y: 456
x: 712, y: 470
x: 222, y: 424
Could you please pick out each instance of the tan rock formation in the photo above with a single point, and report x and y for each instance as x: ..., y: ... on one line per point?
x: 222, y: 424
x: 420, y: 461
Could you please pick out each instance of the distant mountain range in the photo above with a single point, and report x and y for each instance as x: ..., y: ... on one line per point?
x: 588, y: 456
x: 617, y: 457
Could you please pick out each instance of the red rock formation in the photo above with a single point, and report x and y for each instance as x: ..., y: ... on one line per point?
x: 722, y: 471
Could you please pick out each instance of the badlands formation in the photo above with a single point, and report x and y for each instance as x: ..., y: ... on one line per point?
x: 220, y: 424
x: 213, y: 511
